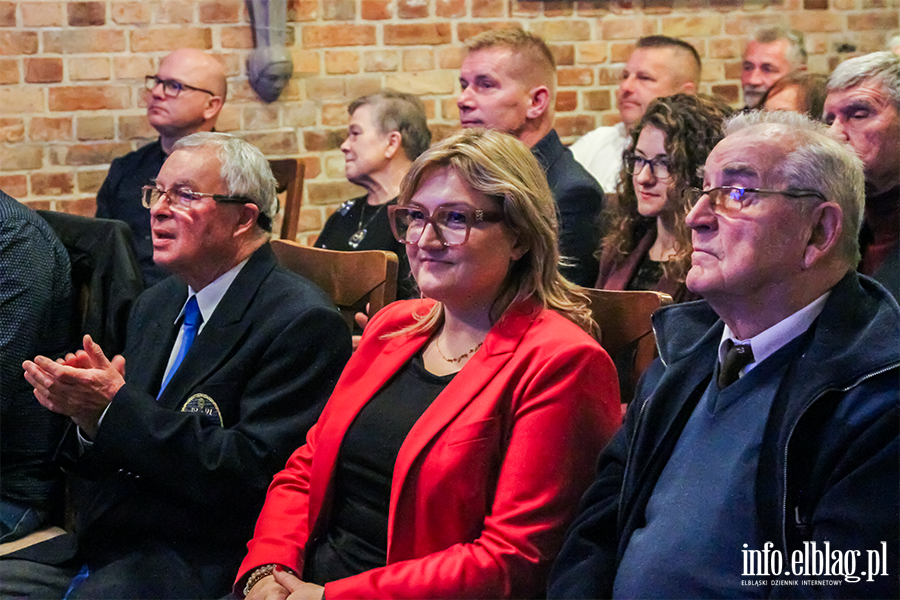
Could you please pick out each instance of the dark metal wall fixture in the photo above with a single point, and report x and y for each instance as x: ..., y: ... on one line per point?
x: 269, y: 67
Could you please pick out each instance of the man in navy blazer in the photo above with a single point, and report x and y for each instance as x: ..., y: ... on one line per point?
x: 508, y: 82
x: 174, y: 445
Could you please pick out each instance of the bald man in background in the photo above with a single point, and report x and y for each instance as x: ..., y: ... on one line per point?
x: 659, y: 66
x: 184, y: 97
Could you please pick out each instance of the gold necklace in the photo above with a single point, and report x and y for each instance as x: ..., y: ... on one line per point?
x: 437, y: 344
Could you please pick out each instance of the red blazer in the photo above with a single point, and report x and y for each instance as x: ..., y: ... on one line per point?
x: 488, y: 479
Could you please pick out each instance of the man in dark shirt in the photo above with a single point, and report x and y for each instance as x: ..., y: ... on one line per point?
x: 184, y: 97
x: 863, y: 110
x: 508, y: 82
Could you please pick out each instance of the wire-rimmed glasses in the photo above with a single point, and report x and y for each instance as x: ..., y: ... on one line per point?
x: 181, y: 197
x: 732, y: 198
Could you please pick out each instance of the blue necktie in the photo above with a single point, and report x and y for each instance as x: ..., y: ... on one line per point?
x: 192, y: 321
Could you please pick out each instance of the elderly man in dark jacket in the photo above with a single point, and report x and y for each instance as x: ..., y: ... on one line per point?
x: 763, y: 444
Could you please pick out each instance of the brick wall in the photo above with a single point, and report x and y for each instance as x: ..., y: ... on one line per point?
x: 71, y: 73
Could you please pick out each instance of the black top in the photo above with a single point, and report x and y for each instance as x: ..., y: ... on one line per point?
x: 120, y: 198
x: 356, y: 540
x: 347, y: 221
x: 647, y: 275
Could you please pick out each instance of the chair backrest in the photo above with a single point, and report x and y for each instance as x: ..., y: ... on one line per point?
x: 351, y: 279
x: 626, y: 331
x: 289, y: 173
x: 106, y: 278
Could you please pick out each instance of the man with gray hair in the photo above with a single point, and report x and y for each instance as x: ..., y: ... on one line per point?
x: 770, y: 55
x: 765, y: 441
x: 227, y: 364
x: 863, y: 110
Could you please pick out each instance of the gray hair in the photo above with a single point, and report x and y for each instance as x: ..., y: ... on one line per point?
x: 796, y: 53
x: 882, y: 68
x: 818, y: 163
x: 245, y: 170
x: 400, y: 112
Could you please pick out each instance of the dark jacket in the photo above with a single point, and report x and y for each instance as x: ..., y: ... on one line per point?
x: 190, y: 469
x: 579, y: 200
x: 821, y: 477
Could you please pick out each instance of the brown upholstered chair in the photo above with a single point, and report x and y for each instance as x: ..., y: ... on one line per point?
x: 351, y: 279
x: 626, y: 331
x: 289, y: 173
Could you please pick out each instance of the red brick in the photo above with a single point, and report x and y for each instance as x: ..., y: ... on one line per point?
x: 7, y: 14
x: 733, y: 69
x: 423, y: 82
x: 29, y: 99
x: 313, y: 166
x: 311, y: 219
x: 440, y: 131
x: 84, y: 207
x: 730, y: 93
x: 275, y: 143
x: 50, y: 129
x: 52, y: 184
x: 302, y: 10
x: 86, y: 14
x: 237, y: 37
x: 175, y: 11
x: 564, y: 55
x: 100, y: 153
x: 15, y: 185
x: 609, y: 76
x: 89, y: 97
x: 326, y: 193
x: 13, y: 43
x: 12, y: 130
x: 9, y: 71
x: 563, y: 31
x: 334, y: 115
x: 626, y: 28
x: 558, y: 8
x: 164, y: 39
x: 21, y: 157
x: 376, y: 10
x: 131, y: 13
x: 619, y: 52
x: 745, y: 25
x: 817, y: 21
x: 42, y: 14
x: 323, y: 140
x: 341, y: 62
x: 381, y: 60
x: 418, y: 59
x: 89, y: 182
x: 574, y: 125
x: 83, y: 41
x: 575, y: 76
x: 95, y: 128
x: 815, y: 4
x: 597, y: 100
x: 590, y: 53
x: 465, y: 31
x: 692, y: 25
x: 43, y: 70
x: 89, y: 69
x: 412, y: 9
x: 873, y: 21
x: 566, y: 101
x: 451, y: 57
x: 132, y: 127
x: 726, y: 5
x: 449, y: 9
x: 525, y: 8
x: 418, y: 33
x: 659, y: 7
x: 725, y: 48
x: 261, y: 117
x: 488, y: 8
x: 220, y: 11
x: 132, y: 67
x: 331, y: 36
x: 338, y: 10
x: 592, y: 8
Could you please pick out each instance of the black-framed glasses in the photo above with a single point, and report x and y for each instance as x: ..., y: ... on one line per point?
x: 732, y: 198
x: 659, y: 165
x: 451, y: 224
x: 181, y: 197
x: 171, y: 87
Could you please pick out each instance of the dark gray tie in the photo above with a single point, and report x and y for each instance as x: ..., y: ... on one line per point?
x: 737, y: 356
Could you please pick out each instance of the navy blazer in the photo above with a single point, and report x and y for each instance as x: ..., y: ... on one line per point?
x: 191, y: 469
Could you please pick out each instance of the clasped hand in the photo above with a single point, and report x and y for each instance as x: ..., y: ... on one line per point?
x: 281, y: 585
x: 80, y: 386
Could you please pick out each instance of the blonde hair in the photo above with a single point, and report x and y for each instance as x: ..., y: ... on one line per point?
x: 504, y: 169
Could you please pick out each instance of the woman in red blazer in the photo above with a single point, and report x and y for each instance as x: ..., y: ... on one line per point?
x: 452, y: 454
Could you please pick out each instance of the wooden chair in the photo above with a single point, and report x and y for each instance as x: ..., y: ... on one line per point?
x: 626, y: 331
x: 351, y: 279
x: 289, y: 173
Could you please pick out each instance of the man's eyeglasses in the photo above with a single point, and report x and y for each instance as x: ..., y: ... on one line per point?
x: 181, y: 197
x: 171, y: 88
x: 451, y: 224
x: 659, y: 166
x: 731, y: 199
